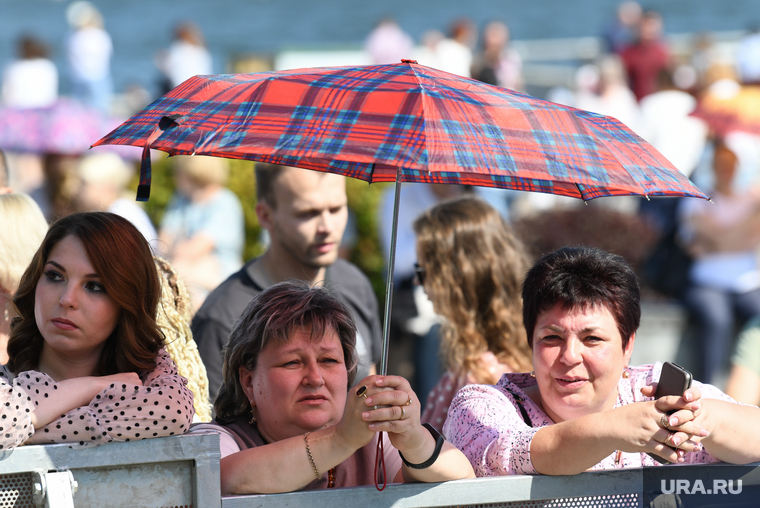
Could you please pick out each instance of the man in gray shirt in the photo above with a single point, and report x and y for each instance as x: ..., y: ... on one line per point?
x: 305, y: 214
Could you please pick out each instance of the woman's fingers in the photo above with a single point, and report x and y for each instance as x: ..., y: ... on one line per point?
x: 671, y: 403
x: 390, y: 398
x: 667, y: 452
x: 683, y: 441
x: 693, y: 394
x: 396, y: 382
x: 692, y: 429
x: 389, y: 391
x: 680, y: 417
x: 649, y: 390
x: 390, y: 413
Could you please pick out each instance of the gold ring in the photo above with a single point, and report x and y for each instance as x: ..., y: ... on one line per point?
x: 403, y: 414
x: 408, y: 401
x: 362, y: 392
x: 664, y: 421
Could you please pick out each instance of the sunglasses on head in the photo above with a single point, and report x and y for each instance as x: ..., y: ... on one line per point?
x: 419, y: 273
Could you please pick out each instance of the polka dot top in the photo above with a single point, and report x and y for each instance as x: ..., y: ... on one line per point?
x: 163, y: 406
x: 15, y: 413
x: 485, y: 423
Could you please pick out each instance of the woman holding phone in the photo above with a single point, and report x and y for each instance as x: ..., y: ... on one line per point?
x: 583, y: 407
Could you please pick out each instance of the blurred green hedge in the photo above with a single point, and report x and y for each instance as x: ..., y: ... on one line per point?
x: 363, y: 201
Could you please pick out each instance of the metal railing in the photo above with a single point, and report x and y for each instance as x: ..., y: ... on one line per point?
x: 162, y: 472
x: 622, y: 487
x: 183, y: 471
x: 626, y: 488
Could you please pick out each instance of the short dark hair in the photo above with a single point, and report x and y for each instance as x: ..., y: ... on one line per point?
x: 274, y: 315
x: 582, y: 277
x: 266, y: 175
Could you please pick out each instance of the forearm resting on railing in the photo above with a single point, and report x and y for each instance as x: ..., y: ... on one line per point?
x: 283, y: 466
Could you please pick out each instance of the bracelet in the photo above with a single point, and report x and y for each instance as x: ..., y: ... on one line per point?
x: 438, y: 445
x: 311, y: 459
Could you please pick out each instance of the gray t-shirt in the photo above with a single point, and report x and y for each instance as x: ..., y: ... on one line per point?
x: 213, y: 322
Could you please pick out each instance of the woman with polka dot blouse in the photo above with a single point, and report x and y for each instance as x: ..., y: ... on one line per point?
x: 86, y: 364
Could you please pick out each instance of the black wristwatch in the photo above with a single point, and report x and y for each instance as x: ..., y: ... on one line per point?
x: 438, y: 445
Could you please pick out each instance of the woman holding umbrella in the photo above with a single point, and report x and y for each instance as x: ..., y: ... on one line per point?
x: 583, y: 407
x: 286, y: 419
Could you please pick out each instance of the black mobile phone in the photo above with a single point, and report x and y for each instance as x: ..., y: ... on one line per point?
x: 674, y: 380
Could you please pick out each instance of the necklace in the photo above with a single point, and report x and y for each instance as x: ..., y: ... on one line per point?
x: 331, y: 478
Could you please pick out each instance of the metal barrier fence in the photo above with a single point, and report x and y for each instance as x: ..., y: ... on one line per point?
x: 183, y: 471
x: 627, y: 488
x: 178, y: 471
x: 620, y: 489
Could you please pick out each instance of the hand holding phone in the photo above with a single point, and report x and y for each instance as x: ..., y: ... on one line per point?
x: 674, y: 380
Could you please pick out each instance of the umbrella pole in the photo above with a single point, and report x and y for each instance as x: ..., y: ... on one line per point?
x: 389, y: 283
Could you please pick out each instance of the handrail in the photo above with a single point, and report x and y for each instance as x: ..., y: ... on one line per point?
x: 184, y: 471
x: 168, y: 471
x: 622, y: 488
x: 479, y: 491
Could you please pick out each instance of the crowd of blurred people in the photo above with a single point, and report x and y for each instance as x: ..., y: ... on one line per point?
x: 638, y: 79
x: 653, y: 88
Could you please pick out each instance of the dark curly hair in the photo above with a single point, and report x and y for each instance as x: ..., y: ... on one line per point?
x: 124, y: 262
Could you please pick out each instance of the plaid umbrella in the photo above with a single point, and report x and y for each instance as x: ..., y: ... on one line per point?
x: 405, y: 123
x: 407, y: 120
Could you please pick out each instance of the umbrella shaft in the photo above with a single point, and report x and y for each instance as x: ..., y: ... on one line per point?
x: 389, y: 282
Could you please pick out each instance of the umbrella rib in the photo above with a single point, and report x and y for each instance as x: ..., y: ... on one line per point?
x: 423, y: 98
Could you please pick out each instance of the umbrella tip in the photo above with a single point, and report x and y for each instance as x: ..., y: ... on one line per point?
x: 404, y: 60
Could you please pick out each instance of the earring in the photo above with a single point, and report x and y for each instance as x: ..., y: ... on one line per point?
x: 533, y: 373
x: 252, y: 421
x: 626, y: 374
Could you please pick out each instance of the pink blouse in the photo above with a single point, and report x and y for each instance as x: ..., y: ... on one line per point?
x: 486, y: 424
x: 162, y: 406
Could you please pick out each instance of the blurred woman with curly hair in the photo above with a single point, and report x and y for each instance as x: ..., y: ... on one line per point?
x: 471, y: 266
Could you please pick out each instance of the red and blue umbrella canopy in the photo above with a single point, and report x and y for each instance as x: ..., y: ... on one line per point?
x: 402, y: 122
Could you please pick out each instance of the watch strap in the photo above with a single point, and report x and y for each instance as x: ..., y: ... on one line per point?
x: 438, y: 445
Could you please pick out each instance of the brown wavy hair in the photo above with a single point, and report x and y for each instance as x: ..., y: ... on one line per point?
x: 123, y: 260
x: 273, y: 316
x: 474, y: 266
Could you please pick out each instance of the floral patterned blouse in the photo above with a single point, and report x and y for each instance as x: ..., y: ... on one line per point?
x: 162, y: 406
x: 487, y: 425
